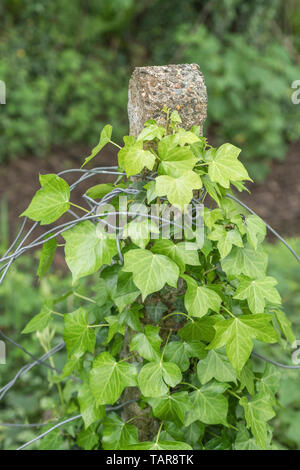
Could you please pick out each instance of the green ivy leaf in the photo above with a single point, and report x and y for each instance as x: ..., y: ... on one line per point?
x: 150, y: 271
x: 199, y: 299
x: 139, y: 232
x: 155, y: 311
x: 50, y: 202
x: 269, y: 382
x: 47, y: 255
x: 225, y: 239
x: 86, y: 250
x: 199, y: 329
x: 171, y: 407
x: 176, y: 161
x: 257, y: 412
x: 40, y: 321
x: 108, y: 378
x: 284, y: 325
x: 126, y: 291
x: 147, y: 344
x: 89, y: 409
x: 115, y: 326
x: 132, y: 158
x: 257, y: 292
x: 246, y: 261
x: 207, y: 406
x: 117, y: 434
x: 179, y: 191
x: 79, y: 338
x: 87, y: 439
x: 215, y: 365
x: 256, y: 230
x: 105, y: 137
x: 155, y: 376
x: 180, y: 352
x: 181, y: 253
x: 225, y: 166
x: 151, y: 132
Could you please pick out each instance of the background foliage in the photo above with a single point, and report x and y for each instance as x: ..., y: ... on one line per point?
x: 67, y: 64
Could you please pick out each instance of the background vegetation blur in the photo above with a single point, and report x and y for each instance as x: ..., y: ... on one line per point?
x: 66, y: 65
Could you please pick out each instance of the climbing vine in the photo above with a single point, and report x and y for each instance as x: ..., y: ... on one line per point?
x: 170, y: 330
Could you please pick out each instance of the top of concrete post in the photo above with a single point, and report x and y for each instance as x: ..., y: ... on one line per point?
x: 180, y: 87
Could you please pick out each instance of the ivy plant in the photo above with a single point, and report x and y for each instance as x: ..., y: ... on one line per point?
x: 170, y: 331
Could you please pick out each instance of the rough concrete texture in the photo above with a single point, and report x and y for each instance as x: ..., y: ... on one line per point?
x: 180, y: 87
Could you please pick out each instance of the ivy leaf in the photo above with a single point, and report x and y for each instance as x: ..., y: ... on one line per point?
x: 199, y: 329
x: 257, y: 412
x: 179, y: 191
x: 180, y: 352
x: 209, y: 407
x: 257, y: 292
x: 256, y: 230
x: 225, y: 166
x: 150, y: 271
x: 115, y: 326
x: 171, y: 407
x: 86, y: 250
x: 176, y: 161
x: 52, y: 441
x: 100, y: 190
x: 247, y: 378
x: 117, y: 434
x: 284, y: 325
x: 40, y: 321
x: 126, y: 291
x: 132, y: 158
x: 108, y: 378
x: 244, y: 441
x: 199, y: 299
x: 225, y: 239
x: 147, y: 344
x: 131, y: 317
x: 50, y: 202
x: 47, y: 255
x: 238, y: 333
x: 87, y: 439
x: 156, y: 311
x: 90, y: 411
x: 105, y: 137
x: 139, y: 232
x: 215, y: 365
x: 155, y: 376
x: 181, y: 253
x: 246, y: 261
x: 79, y: 338
x: 269, y: 381
x: 151, y: 132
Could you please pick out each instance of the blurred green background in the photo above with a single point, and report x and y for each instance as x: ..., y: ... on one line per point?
x: 66, y: 65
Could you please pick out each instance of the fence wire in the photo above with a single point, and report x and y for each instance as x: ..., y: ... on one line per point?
x: 18, y: 248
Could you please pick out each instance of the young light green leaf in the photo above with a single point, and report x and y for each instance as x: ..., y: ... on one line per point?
x: 50, y: 202
x: 155, y: 377
x: 132, y: 158
x: 285, y: 325
x: 150, y: 271
x: 215, y: 365
x: 256, y: 230
x: 151, y: 132
x: 246, y: 261
x: 181, y: 253
x: 47, y: 255
x: 118, y: 434
x: 79, y: 338
x: 140, y: 231
x: 176, y: 161
x: 225, y: 166
x: 108, y: 378
x: 40, y: 321
x: 225, y: 239
x: 115, y: 326
x: 257, y: 292
x: 257, y: 412
x: 105, y: 137
x: 86, y: 250
x: 199, y: 299
x: 179, y: 191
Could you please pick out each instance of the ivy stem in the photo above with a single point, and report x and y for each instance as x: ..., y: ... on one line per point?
x: 176, y: 313
x: 57, y: 313
x: 162, y: 356
x: 84, y: 298
x: 114, y: 143
x: 228, y: 311
x: 98, y: 326
x: 190, y: 385
x: 128, y: 357
x: 234, y: 394
x: 157, y: 437
x: 202, y: 164
x: 79, y: 207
